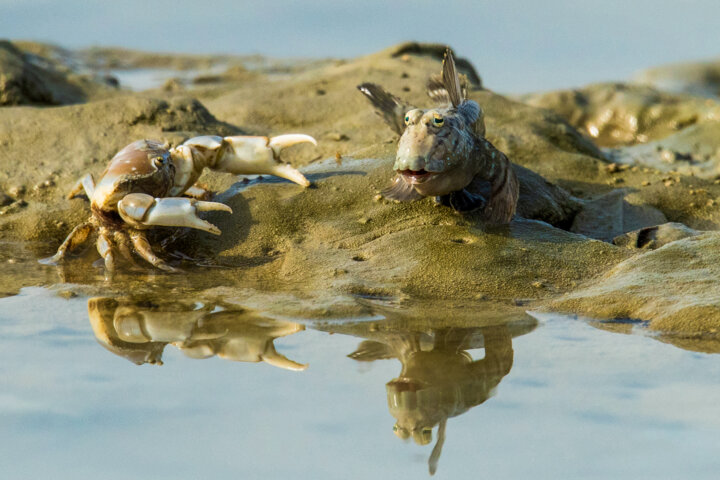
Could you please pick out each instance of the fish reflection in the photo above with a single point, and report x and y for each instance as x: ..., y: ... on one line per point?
x: 439, y: 378
x: 140, y: 330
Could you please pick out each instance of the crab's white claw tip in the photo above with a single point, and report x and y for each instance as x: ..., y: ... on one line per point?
x: 207, y: 227
x: 286, y: 171
x: 277, y: 144
x: 281, y: 361
x: 202, y: 206
x: 288, y: 140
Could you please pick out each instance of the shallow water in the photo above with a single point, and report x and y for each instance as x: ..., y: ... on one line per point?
x: 146, y: 78
x: 140, y: 79
x: 545, y: 397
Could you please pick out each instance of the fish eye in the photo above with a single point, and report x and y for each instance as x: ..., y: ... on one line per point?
x: 401, y: 432
x: 159, y: 161
x: 407, y: 119
x: 438, y: 120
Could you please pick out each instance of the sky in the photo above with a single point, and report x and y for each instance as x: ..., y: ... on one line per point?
x: 515, y: 45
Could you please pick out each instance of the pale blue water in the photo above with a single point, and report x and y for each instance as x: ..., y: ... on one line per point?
x: 577, y: 403
x: 516, y: 45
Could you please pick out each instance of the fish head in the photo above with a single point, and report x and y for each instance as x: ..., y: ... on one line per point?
x: 435, y: 146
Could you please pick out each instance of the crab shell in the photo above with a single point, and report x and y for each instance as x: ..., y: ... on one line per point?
x: 144, y: 166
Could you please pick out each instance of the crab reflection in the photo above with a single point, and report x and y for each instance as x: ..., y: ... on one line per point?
x: 140, y: 330
x: 439, y: 378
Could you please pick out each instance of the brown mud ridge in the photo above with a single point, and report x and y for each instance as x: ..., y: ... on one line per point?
x: 618, y: 216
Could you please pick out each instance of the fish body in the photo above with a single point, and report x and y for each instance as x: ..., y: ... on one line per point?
x: 442, y: 152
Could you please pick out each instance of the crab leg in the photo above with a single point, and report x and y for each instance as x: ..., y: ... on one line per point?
x: 243, y: 155
x: 141, y: 211
x: 105, y: 249
x: 198, y: 193
x: 122, y: 242
x: 142, y: 248
x: 77, y: 237
x: 86, y: 183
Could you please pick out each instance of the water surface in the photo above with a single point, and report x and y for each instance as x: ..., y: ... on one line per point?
x: 547, y: 398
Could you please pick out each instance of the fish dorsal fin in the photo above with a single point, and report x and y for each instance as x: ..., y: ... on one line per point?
x: 437, y: 450
x: 451, y: 80
x: 436, y: 88
x: 451, y: 87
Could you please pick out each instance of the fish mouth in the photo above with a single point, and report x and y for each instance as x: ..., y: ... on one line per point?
x: 404, y: 384
x: 416, y: 176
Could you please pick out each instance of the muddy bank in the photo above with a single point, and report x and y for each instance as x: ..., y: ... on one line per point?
x: 621, y: 114
x: 29, y: 79
x: 311, y: 252
x: 696, y: 78
x: 667, y: 132
x: 638, y: 289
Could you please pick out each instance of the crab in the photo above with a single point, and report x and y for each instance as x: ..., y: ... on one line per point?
x: 139, y: 330
x: 143, y: 187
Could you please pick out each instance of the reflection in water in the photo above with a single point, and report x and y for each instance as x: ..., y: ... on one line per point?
x: 560, y: 412
x: 139, y: 331
x: 439, y: 378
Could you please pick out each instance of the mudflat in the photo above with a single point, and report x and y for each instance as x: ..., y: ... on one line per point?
x: 617, y: 220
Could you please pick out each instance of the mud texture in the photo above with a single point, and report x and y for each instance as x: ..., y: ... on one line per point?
x: 312, y: 253
x: 668, y: 132
x: 696, y: 78
x: 638, y: 289
x: 27, y: 79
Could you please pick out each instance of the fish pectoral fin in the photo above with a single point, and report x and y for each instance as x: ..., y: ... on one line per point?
x: 479, y: 186
x: 462, y: 201
x: 370, y: 350
x: 401, y: 191
x: 387, y: 105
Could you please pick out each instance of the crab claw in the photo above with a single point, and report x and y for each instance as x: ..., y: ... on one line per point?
x: 242, y: 155
x: 284, y: 141
x: 272, y: 357
x: 258, y: 350
x: 141, y: 211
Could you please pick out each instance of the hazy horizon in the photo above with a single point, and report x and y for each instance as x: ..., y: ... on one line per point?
x: 515, y: 46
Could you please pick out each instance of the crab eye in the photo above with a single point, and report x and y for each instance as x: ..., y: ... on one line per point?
x: 407, y: 119
x: 160, y: 161
x: 438, y: 120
